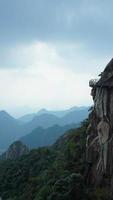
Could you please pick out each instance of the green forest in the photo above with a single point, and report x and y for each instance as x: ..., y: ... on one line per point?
x: 51, y: 173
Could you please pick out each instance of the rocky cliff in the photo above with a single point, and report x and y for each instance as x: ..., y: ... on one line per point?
x: 16, y: 150
x: 99, y: 153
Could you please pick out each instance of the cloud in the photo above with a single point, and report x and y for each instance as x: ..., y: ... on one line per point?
x: 44, y: 75
x: 50, y: 49
x: 42, y: 78
x: 23, y: 56
x: 72, y: 56
x: 86, y: 23
x: 59, y: 20
x: 50, y: 87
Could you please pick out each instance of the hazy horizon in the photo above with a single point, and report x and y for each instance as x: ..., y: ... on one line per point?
x: 26, y: 111
x: 49, y: 50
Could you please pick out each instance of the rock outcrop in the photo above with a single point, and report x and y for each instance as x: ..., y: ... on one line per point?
x: 15, y: 151
x: 99, y: 153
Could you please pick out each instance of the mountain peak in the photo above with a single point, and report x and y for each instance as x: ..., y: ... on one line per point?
x: 41, y: 111
x: 3, y: 112
x: 106, y: 79
x: 15, y: 150
x: 109, y: 67
x: 5, y: 115
x: 100, y: 130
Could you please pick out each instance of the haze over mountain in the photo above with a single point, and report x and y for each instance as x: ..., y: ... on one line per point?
x: 61, y: 113
x: 27, y: 118
x: 49, y: 50
x: 12, y: 129
x: 58, y: 113
x: 54, y: 172
x: 41, y: 137
x: 15, y: 151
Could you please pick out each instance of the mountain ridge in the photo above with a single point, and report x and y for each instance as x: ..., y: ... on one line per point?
x: 58, y: 113
x: 47, y: 173
x: 41, y: 137
x: 12, y: 129
x: 15, y: 151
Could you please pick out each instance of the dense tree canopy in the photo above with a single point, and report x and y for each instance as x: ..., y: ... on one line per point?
x: 54, y: 173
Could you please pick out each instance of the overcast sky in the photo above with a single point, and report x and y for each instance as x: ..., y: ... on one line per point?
x: 49, y: 49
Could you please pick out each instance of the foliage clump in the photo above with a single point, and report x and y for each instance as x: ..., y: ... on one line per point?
x: 53, y: 173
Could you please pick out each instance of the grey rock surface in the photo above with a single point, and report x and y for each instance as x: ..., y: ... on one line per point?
x: 99, y: 145
x: 15, y: 151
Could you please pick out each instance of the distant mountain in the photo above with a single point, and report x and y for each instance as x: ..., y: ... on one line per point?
x: 62, y: 113
x: 49, y: 127
x: 16, y: 150
x: 76, y: 116
x: 4, y: 116
x: 27, y: 118
x: 50, y: 172
x: 47, y: 120
x: 10, y: 130
x: 59, y: 113
x: 43, y: 137
x: 44, y: 121
x: 56, y: 113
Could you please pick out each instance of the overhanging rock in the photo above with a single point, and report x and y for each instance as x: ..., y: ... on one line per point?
x: 100, y: 131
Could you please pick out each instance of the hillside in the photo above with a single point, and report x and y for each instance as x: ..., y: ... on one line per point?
x: 27, y: 118
x: 75, y: 116
x: 57, y: 113
x: 54, y: 173
x: 47, y: 120
x: 62, y: 113
x: 44, y: 120
x: 47, y: 173
x: 43, y: 137
x: 10, y: 130
x: 15, y: 150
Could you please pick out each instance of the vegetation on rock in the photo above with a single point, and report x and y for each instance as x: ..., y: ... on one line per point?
x: 54, y: 173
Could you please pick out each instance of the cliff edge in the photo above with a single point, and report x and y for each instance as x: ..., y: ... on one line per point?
x: 15, y: 151
x: 99, y: 145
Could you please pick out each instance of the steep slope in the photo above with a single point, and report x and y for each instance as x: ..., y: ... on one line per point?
x: 48, y: 120
x: 44, y: 137
x: 62, y: 113
x: 59, y: 113
x: 45, y: 121
x: 100, y: 131
x: 27, y: 118
x: 76, y: 116
x: 15, y: 150
x: 10, y: 130
x: 53, y: 173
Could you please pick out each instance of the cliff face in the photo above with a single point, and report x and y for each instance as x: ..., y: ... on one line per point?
x: 100, y: 130
x: 16, y: 150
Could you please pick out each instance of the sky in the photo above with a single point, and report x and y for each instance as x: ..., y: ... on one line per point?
x: 49, y: 50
